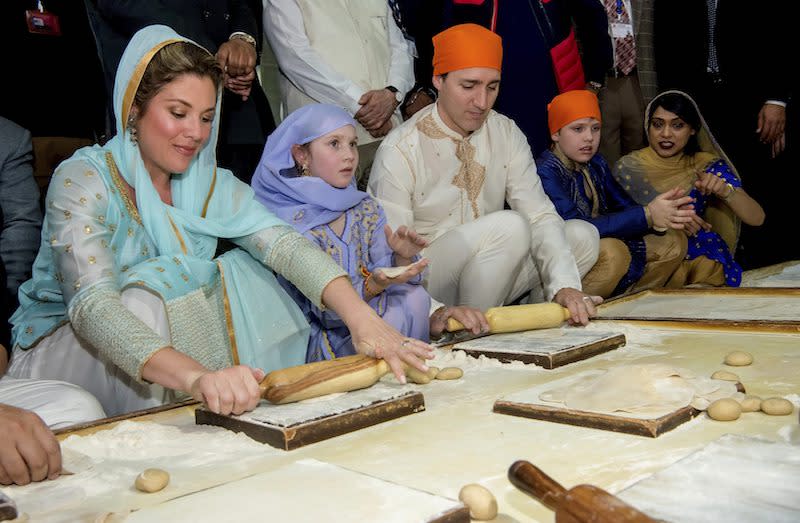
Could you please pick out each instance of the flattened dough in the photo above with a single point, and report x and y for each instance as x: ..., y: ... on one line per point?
x: 641, y: 389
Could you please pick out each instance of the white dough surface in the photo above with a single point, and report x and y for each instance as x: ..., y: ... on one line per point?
x: 705, y: 306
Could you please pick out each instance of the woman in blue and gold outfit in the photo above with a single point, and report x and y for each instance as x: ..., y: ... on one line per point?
x: 683, y: 153
x: 127, y: 299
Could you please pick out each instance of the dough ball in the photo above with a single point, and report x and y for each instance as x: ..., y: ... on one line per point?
x: 433, y: 372
x: 449, y: 373
x: 152, y: 480
x: 726, y: 409
x: 725, y: 375
x: 777, y: 406
x: 417, y: 376
x: 751, y: 404
x: 480, y: 501
x: 738, y: 358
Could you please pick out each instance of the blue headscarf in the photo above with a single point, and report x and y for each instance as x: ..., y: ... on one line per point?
x: 304, y: 202
x: 208, y: 202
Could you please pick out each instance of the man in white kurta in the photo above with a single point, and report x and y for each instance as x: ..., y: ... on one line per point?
x: 447, y: 173
x: 346, y: 53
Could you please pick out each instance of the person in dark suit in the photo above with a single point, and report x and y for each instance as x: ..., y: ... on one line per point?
x: 20, y: 214
x: 529, y: 31
x: 228, y: 28
x: 735, y: 69
x: 28, y: 408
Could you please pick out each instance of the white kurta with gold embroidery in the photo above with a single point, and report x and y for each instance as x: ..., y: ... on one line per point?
x: 429, y: 178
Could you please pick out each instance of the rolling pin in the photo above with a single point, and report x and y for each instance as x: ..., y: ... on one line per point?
x: 515, y: 318
x: 581, y: 504
x: 321, y: 377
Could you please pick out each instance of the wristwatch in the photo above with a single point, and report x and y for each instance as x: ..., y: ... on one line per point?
x: 397, y: 96
x: 594, y: 86
x: 243, y: 36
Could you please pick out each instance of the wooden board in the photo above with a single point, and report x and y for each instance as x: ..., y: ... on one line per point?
x: 734, y: 478
x: 283, y: 494
x: 296, y: 425
x: 548, y: 348
x: 527, y: 404
x: 781, y: 275
x: 761, y: 308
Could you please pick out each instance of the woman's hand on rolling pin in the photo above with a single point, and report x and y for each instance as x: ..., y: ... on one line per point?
x: 581, y: 306
x: 228, y: 391
x: 374, y: 337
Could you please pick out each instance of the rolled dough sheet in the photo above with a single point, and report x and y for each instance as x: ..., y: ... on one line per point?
x: 536, y: 341
x: 305, y: 411
x: 106, y: 463
x: 285, y: 494
x: 734, y: 478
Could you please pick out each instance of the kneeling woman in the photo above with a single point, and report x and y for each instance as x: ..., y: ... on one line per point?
x: 683, y: 154
x: 126, y: 299
x: 306, y: 178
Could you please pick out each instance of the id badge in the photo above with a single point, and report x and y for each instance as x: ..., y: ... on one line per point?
x: 43, y: 23
x: 619, y: 30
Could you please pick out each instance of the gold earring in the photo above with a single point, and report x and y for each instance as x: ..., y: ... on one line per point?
x: 304, y: 170
x: 132, y: 130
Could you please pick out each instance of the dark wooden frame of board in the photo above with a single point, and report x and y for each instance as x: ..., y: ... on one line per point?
x: 791, y: 326
x: 552, y: 360
x: 312, y: 431
x: 651, y: 428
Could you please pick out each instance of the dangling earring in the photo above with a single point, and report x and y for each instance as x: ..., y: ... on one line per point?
x: 132, y: 130
x: 304, y: 170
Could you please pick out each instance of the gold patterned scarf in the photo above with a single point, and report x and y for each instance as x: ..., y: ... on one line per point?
x: 471, y: 174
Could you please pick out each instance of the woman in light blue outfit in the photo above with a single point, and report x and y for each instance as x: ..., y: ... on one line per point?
x: 127, y: 299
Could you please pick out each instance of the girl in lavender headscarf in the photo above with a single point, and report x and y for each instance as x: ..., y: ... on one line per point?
x: 306, y: 178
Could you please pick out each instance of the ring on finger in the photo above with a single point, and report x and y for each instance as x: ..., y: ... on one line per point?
x: 405, y: 342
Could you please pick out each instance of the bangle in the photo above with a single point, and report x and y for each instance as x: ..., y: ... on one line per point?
x: 648, y: 216
x: 367, y: 290
x: 730, y: 194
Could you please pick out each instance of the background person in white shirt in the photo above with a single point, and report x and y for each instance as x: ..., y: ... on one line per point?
x: 350, y: 54
x: 449, y: 169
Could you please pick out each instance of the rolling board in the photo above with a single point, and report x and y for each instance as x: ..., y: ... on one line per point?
x: 294, y: 425
x: 548, y: 348
x: 528, y: 404
x: 733, y: 478
x: 348, y: 496
x: 761, y: 308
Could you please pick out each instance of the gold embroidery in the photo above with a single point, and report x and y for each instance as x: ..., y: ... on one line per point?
x: 68, y: 248
x: 68, y: 182
x: 145, y: 251
x: 471, y: 174
x: 210, y: 193
x: 178, y: 234
x: 92, y: 260
x: 130, y: 232
x: 136, y: 77
x: 116, y: 177
x: 101, y: 219
x: 52, y: 240
x: 167, y: 285
x: 228, y: 316
x: 29, y: 330
x: 104, y: 244
x: 83, y: 200
x: 88, y: 173
x: 112, y: 227
x: 98, y: 196
x: 87, y: 229
x: 125, y: 268
x: 159, y: 269
x: 67, y: 214
x: 77, y: 285
x: 185, y: 277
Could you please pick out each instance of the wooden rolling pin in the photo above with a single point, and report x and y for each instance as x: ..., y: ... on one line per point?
x: 322, y: 377
x: 581, y: 504
x: 515, y: 318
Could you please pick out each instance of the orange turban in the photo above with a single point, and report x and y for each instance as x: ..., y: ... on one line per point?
x: 570, y: 106
x: 466, y: 45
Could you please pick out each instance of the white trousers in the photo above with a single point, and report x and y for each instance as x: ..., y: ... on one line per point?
x: 64, y: 356
x: 488, y: 262
x: 58, y: 403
